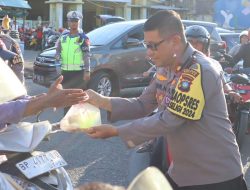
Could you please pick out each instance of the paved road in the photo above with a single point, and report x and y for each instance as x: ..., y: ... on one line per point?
x: 97, y: 160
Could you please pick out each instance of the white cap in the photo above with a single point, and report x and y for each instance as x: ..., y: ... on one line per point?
x: 244, y: 33
x: 150, y: 178
x: 74, y: 15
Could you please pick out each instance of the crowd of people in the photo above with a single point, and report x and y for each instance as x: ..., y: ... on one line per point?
x: 33, y: 37
x: 188, y: 91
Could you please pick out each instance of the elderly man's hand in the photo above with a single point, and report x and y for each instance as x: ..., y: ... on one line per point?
x: 59, y: 97
x: 97, y: 100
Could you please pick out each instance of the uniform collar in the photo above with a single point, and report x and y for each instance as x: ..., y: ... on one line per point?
x: 188, y: 52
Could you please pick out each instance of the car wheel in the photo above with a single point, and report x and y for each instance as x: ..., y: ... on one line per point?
x: 103, y: 84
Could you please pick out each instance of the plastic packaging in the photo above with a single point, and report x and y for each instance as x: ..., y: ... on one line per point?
x: 151, y: 179
x: 10, y: 86
x: 81, y: 116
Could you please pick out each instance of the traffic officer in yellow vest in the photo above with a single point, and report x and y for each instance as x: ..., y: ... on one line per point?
x: 73, y: 51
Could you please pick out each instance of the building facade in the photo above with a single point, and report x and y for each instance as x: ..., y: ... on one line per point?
x: 55, y: 11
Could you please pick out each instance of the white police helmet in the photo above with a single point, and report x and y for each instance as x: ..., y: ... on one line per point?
x: 74, y: 15
x: 243, y: 33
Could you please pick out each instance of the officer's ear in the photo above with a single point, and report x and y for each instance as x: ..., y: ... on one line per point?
x: 176, y: 39
x: 176, y: 42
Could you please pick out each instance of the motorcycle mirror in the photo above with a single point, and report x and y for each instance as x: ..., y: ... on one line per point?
x: 151, y: 179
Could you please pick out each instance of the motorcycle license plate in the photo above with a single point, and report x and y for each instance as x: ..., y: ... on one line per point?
x: 42, y: 163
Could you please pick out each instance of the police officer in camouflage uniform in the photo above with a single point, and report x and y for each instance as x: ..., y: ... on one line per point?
x: 17, y: 64
x: 188, y: 90
x: 73, y: 50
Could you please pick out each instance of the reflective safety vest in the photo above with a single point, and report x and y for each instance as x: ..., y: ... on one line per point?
x: 71, y: 53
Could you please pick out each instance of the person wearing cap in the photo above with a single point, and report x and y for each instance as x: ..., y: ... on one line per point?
x: 243, y: 40
x: 199, y: 38
x: 243, y: 54
x: 13, y: 46
x: 73, y: 51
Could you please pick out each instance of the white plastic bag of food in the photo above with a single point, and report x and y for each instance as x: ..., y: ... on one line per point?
x: 81, y: 116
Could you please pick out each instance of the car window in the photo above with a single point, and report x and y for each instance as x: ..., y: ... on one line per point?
x: 105, y: 34
x: 136, y: 33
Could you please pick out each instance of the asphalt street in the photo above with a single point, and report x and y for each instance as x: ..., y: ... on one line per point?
x: 95, y: 160
x: 88, y: 160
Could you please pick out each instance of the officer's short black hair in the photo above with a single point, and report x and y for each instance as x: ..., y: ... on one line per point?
x: 167, y: 22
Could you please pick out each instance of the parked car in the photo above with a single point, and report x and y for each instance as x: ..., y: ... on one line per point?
x: 108, y: 19
x: 231, y: 39
x: 118, y: 57
x: 223, y: 30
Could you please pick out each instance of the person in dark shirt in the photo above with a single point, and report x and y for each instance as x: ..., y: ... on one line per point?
x: 244, y: 54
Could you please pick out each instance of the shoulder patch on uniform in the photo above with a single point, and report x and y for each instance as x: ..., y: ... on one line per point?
x: 83, y: 35
x: 84, y: 38
x: 188, y: 98
x: 161, y: 77
x: 65, y: 34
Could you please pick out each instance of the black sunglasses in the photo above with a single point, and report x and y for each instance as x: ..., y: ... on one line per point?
x: 153, y: 46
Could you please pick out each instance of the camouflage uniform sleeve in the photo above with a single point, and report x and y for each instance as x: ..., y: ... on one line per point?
x: 16, y: 48
x: 86, y: 50
x: 58, y: 48
x: 17, y: 64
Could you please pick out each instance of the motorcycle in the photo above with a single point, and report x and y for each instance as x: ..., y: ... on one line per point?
x: 27, y: 40
x: 31, y: 169
x: 51, y: 41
